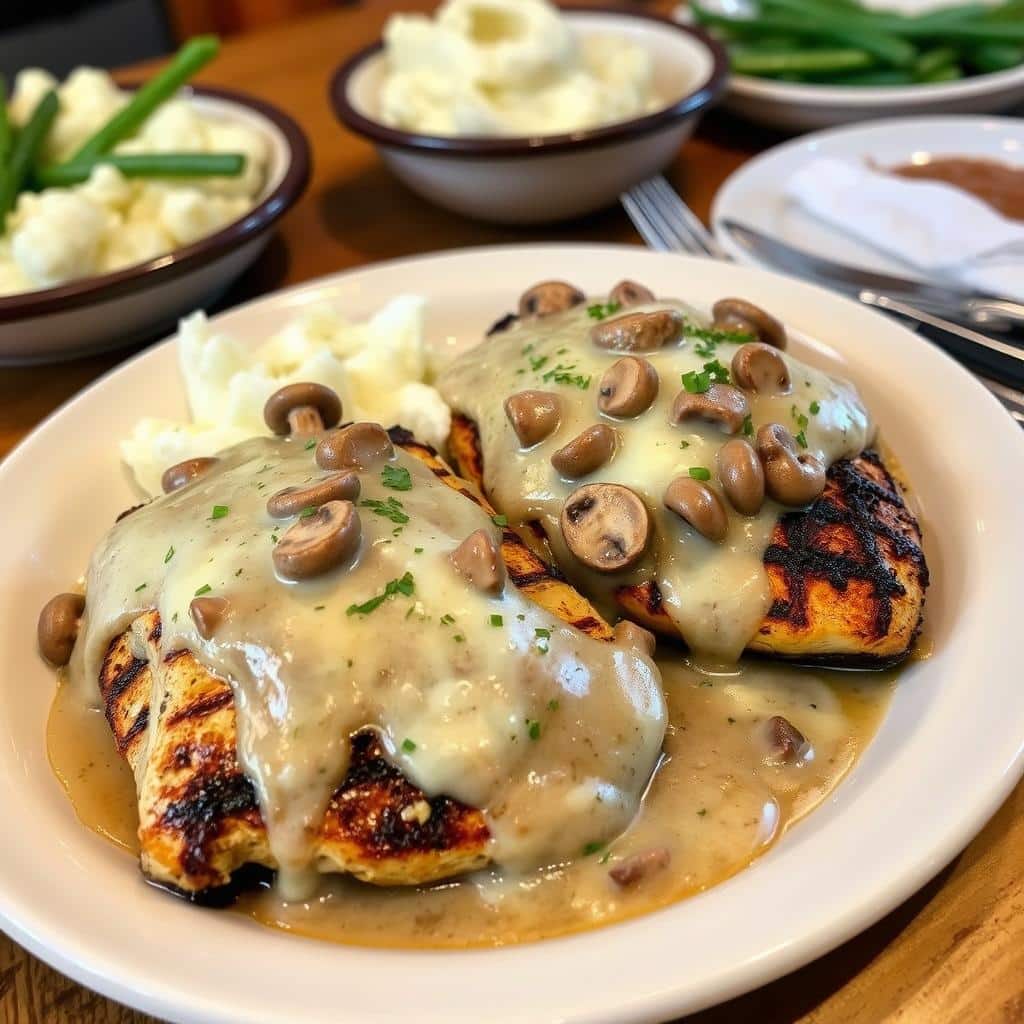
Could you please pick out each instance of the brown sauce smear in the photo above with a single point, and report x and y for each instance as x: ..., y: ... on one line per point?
x: 995, y: 183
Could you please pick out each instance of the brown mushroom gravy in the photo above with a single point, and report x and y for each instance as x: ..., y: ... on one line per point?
x: 710, y: 572
x: 998, y: 184
x: 310, y: 662
x: 719, y: 799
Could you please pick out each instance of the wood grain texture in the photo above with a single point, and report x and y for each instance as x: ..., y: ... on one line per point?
x: 952, y: 953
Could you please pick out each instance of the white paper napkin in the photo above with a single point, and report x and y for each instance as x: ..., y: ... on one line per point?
x: 937, y: 228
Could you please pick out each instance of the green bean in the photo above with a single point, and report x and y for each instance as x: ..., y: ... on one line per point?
x: 5, y: 123
x: 782, y: 62
x: 947, y: 73
x: 886, y: 48
x: 932, y: 60
x: 144, y: 165
x: 990, y: 57
x: 188, y: 60
x: 23, y: 154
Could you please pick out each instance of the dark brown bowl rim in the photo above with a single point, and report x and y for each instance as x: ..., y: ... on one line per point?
x: 103, y: 287
x: 477, y: 146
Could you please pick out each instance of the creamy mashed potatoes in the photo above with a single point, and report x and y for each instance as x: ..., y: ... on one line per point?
x: 379, y: 369
x: 111, y: 221
x: 508, y: 67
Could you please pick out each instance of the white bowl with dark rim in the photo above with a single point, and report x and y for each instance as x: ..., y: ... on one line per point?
x: 533, y: 180
x: 107, y: 311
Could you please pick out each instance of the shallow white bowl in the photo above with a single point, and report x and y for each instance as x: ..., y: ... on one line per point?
x: 796, y: 106
x: 948, y: 752
x: 553, y: 177
x: 111, y: 310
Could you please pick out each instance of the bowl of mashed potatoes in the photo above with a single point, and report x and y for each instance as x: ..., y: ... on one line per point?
x: 514, y: 111
x: 113, y: 259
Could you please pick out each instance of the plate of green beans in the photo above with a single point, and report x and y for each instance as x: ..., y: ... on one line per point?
x: 813, y: 63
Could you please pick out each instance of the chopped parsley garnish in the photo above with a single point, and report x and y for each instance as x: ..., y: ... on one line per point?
x: 801, y: 419
x: 590, y: 849
x: 219, y: 511
x: 499, y: 520
x: 533, y: 728
x: 684, y: 445
x: 699, y: 473
x: 528, y: 347
x: 536, y: 362
x: 801, y: 439
x: 408, y: 746
x: 542, y: 632
x: 552, y: 705
x: 815, y: 407
x: 169, y: 555
x: 459, y: 638
x: 311, y: 443
x: 309, y: 510
x: 748, y: 426
x: 417, y: 551
x: 600, y: 310
x: 391, y: 509
x: 541, y: 642
x: 319, y: 607
x: 141, y: 586
x: 447, y: 620
x: 397, y: 478
x: 702, y: 812
x: 204, y: 589
x: 497, y: 620
x: 698, y: 381
x: 562, y: 374
x: 404, y: 585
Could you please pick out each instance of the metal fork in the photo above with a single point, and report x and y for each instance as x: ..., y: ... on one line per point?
x: 667, y: 224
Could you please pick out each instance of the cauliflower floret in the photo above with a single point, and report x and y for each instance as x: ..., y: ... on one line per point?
x: 88, y: 99
x: 174, y: 127
x: 232, y: 137
x: 108, y: 187
x: 134, y: 242
x: 186, y: 214
x: 30, y: 86
x: 421, y: 409
x: 59, y: 239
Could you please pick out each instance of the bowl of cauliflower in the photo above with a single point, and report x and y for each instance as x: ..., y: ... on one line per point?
x: 107, y: 251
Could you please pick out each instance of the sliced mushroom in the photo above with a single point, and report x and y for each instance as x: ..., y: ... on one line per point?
x: 721, y: 405
x: 742, y: 316
x: 629, y: 293
x: 182, y: 473
x: 208, y: 613
x: 628, y: 387
x: 356, y: 446
x: 631, y: 635
x: 759, y: 367
x: 638, y: 332
x: 318, y: 543
x: 290, y: 501
x: 640, y: 866
x: 606, y: 526
x: 742, y: 476
x: 549, y: 297
x: 697, y: 504
x: 534, y: 415
x: 785, y: 742
x: 791, y: 477
x: 587, y: 451
x: 57, y: 628
x: 478, y: 558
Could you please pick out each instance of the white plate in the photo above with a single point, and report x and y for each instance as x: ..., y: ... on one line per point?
x: 754, y: 194
x: 796, y: 106
x: 947, y: 754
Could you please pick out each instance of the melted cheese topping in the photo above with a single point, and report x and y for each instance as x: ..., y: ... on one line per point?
x: 716, y: 594
x: 550, y: 733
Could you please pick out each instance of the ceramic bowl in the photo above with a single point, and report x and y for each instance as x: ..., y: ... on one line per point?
x: 519, y: 180
x: 123, y: 307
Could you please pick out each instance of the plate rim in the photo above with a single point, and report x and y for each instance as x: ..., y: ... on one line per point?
x: 28, y: 930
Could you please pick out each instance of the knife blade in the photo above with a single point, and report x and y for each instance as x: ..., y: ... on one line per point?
x: 973, y: 307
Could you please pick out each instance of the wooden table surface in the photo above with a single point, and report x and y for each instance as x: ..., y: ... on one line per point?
x: 954, y: 951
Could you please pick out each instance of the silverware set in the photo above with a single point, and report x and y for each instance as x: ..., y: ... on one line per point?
x: 667, y: 224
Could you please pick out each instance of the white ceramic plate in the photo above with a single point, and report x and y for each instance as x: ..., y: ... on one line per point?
x: 753, y: 195
x: 947, y: 754
x: 795, y: 106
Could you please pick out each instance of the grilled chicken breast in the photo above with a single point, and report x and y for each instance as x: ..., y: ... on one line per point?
x: 199, y: 820
x: 847, y: 574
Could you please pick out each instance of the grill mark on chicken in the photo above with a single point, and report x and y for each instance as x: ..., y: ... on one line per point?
x: 201, y: 708
x: 139, y: 726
